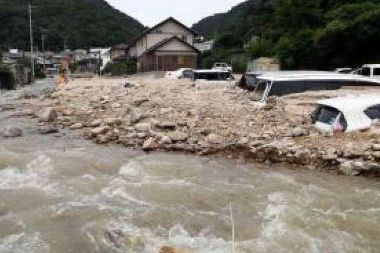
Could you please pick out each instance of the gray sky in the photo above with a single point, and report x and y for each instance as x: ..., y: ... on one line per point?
x: 150, y: 12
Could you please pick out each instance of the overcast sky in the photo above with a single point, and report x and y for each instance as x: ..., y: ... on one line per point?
x: 150, y: 12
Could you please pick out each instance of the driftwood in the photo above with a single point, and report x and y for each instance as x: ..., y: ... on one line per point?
x: 167, y: 249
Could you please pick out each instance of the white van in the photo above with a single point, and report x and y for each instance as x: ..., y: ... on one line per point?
x: 369, y: 70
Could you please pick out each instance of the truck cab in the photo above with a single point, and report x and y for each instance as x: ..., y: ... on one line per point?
x: 369, y: 70
x: 222, y: 66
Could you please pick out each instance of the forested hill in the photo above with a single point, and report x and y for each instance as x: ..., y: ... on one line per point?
x: 240, y: 17
x: 319, y: 34
x: 76, y: 23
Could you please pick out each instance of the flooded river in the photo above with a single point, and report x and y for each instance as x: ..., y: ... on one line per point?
x: 60, y: 194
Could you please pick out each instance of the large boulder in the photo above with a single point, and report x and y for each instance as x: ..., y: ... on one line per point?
x: 178, y: 136
x: 167, y: 125
x: 143, y: 127
x: 136, y: 116
x: 214, y: 139
x: 76, y: 126
x: 48, y: 114
x: 95, y: 123
x: 11, y: 132
x: 47, y: 130
x: 298, y: 132
x: 150, y: 144
x: 100, y: 130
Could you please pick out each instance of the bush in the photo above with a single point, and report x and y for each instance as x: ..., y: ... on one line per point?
x: 120, y: 68
x: 7, y: 78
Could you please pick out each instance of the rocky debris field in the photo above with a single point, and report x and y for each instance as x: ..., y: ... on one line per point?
x: 205, y: 119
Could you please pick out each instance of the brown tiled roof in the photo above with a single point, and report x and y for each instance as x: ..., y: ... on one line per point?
x: 165, y: 41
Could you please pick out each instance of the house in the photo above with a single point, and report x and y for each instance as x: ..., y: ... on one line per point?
x: 104, y: 54
x: 79, y: 54
x: 119, y: 52
x: 167, y: 46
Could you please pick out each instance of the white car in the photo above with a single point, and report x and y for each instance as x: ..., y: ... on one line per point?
x: 346, y: 114
x: 222, y: 66
x: 180, y: 73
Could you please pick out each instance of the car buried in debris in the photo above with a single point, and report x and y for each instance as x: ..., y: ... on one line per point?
x: 180, y: 73
x: 283, y: 83
x: 346, y: 114
x: 213, y: 75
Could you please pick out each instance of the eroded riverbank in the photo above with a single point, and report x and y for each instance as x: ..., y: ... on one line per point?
x: 206, y: 119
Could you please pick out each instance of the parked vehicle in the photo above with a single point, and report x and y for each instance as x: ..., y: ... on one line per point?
x: 222, y: 66
x: 287, y: 82
x: 180, y: 73
x: 213, y: 75
x: 345, y: 114
x: 369, y: 70
x: 51, y: 72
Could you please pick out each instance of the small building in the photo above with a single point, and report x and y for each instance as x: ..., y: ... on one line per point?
x: 167, y: 46
x: 119, y: 52
x: 205, y: 46
x: 103, y: 54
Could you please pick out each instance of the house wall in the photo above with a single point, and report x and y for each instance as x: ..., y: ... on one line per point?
x: 117, y: 53
x: 167, y: 61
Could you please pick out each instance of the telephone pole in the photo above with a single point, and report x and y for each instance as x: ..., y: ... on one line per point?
x: 31, y: 38
x: 43, y: 36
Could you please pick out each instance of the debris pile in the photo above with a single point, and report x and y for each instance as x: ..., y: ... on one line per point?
x: 175, y: 115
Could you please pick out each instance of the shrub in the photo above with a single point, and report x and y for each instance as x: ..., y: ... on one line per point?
x: 120, y: 68
x: 7, y: 78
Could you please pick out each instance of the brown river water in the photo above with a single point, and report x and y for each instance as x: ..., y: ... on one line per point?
x: 62, y: 194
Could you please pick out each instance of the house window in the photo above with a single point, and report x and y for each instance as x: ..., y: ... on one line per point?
x: 183, y: 37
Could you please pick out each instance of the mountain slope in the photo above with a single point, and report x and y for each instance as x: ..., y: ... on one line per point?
x: 74, y: 23
x: 243, y: 16
x: 302, y: 34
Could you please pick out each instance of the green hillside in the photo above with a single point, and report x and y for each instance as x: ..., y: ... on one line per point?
x: 319, y: 34
x: 76, y: 23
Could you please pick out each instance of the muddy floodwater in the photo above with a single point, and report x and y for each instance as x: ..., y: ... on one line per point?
x: 61, y: 194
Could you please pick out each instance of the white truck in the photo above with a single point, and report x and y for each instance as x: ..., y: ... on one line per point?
x: 369, y: 70
x: 222, y: 66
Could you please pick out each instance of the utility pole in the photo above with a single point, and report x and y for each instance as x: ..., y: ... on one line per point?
x: 31, y: 38
x: 43, y: 45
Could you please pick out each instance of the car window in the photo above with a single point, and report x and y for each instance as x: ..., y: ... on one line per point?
x: 373, y: 112
x: 366, y: 72
x: 327, y: 115
x: 188, y: 74
x: 376, y: 72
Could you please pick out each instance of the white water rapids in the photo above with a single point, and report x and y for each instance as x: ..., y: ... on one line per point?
x: 64, y: 195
